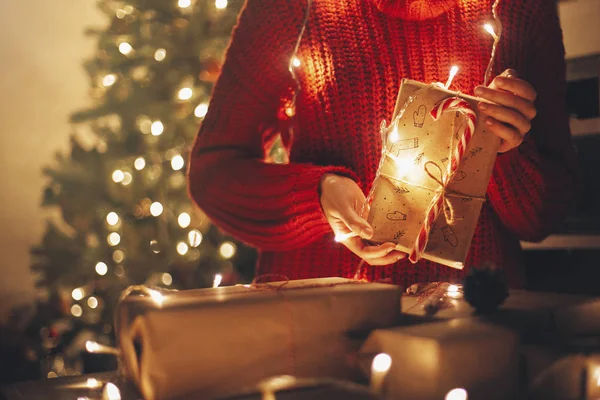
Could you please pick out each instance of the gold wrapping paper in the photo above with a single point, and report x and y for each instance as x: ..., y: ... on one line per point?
x: 403, y: 191
x: 217, y: 341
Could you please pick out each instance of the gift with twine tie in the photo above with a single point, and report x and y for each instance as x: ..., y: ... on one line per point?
x: 218, y: 341
x: 437, y: 160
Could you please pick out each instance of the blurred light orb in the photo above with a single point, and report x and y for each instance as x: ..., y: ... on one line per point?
x: 195, y: 238
x: 125, y: 48
x: 166, y: 279
x: 184, y: 220
x: 160, y: 54
x: 201, y: 110
x: 118, y: 176
x: 177, y: 162
x: 182, y: 248
x: 185, y: 93
x: 139, y: 163
x: 77, y: 294
x: 157, y: 128
x: 109, y: 80
x: 221, y: 4
x: 76, y: 310
x: 92, y: 302
x: 156, y: 209
x: 184, y: 3
x: 227, y: 250
x: 112, y: 218
x: 101, y: 268
x: 114, y: 239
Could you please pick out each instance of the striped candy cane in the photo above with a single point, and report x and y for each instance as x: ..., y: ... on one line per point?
x: 451, y: 104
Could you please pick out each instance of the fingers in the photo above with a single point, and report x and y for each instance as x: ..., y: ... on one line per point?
x: 384, y: 254
x: 511, y: 138
x: 516, y: 86
x: 509, y: 100
x: 356, y: 223
x: 507, y: 115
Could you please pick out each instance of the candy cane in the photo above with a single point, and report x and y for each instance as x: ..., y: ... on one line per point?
x: 451, y: 104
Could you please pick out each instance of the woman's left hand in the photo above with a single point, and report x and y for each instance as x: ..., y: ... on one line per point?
x: 510, y: 117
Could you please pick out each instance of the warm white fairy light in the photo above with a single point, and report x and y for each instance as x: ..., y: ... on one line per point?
x: 156, y: 209
x: 125, y: 48
x: 109, y: 80
x: 127, y: 178
x: 160, y: 54
x: 201, y: 110
x: 91, y: 346
x: 380, y: 367
x: 118, y: 176
x: 112, y: 218
x: 342, y: 237
x: 156, y: 296
x: 185, y: 93
x: 139, y: 163
x: 92, y: 302
x: 295, y: 62
x: 194, y: 238
x: 101, y: 268
x: 490, y: 29
x: 217, y: 280
x: 114, y: 239
x: 221, y: 4
x: 394, y: 134
x: 92, y: 383
x: 182, y: 248
x: 166, y: 279
x: 157, y: 128
x: 184, y: 3
x: 77, y: 294
x: 111, y: 392
x: 227, y: 250
x: 456, y: 394
x: 453, y: 291
x: 453, y: 72
x: 76, y: 310
x: 177, y: 162
x: 118, y: 256
x: 184, y: 219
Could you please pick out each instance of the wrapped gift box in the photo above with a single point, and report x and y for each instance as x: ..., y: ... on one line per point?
x: 217, y: 341
x: 403, y: 190
x: 430, y: 360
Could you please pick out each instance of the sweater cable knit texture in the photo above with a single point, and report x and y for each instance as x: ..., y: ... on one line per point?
x: 354, y: 54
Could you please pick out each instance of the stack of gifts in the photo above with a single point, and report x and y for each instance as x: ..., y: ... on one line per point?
x: 221, y: 340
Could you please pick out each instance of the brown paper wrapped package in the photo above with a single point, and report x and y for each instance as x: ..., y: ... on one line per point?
x: 213, y: 342
x: 398, y: 205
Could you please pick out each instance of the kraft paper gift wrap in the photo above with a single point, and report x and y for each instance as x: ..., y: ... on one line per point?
x: 213, y: 342
x: 398, y: 204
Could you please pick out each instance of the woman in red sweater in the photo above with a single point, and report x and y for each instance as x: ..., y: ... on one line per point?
x: 353, y: 55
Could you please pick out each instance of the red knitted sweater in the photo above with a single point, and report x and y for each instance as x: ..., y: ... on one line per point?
x: 354, y: 54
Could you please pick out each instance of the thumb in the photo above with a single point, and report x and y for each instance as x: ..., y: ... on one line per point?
x: 357, y: 224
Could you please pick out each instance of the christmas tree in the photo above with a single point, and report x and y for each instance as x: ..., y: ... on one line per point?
x: 126, y: 215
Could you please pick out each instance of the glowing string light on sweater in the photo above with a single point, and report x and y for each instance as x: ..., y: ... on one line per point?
x: 453, y: 72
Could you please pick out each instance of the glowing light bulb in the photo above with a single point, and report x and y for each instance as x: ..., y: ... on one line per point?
x: 184, y: 3
x: 185, y: 93
x: 114, y: 239
x: 182, y: 248
x: 127, y: 178
x: 195, y: 238
x: 157, y: 128
x: 166, y: 279
x: 217, y: 281
x: 380, y: 367
x: 92, y: 302
x: 295, y: 62
x: 156, y: 209
x: 453, y: 72
x: 77, y: 294
x: 111, y: 392
x: 453, y: 291
x: 184, y: 220
x: 227, y: 250
x: 91, y: 346
x: 201, y: 110
x: 290, y: 112
x: 160, y: 54
x: 125, y: 48
x: 139, y: 163
x: 101, y: 268
x: 341, y: 237
x: 112, y: 218
x: 177, y: 163
x: 221, y: 4
x: 456, y: 394
x: 76, y: 310
x: 394, y: 136
x: 118, y: 176
x: 118, y: 256
x: 490, y: 29
x: 156, y: 296
x: 109, y: 80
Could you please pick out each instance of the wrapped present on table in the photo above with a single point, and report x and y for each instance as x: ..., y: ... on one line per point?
x: 436, y: 165
x: 219, y: 340
x: 448, y: 359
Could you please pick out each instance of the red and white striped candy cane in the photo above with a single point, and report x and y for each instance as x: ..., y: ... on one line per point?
x: 450, y: 104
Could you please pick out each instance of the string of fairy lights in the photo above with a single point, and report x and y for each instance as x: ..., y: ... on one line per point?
x: 124, y: 176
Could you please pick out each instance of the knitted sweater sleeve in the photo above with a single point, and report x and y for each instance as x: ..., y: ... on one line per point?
x: 532, y: 186
x: 269, y: 206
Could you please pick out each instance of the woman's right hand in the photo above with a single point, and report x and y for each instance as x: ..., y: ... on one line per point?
x: 342, y: 201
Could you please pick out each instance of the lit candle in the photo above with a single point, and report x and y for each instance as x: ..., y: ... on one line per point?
x: 379, y: 370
